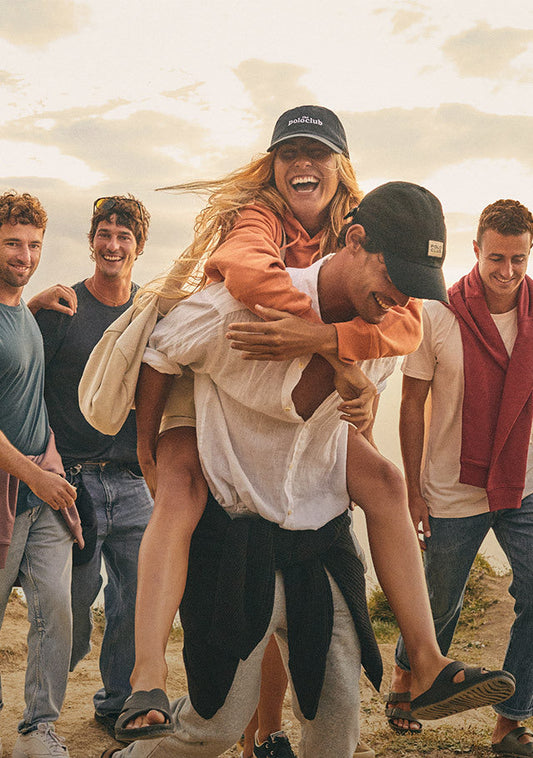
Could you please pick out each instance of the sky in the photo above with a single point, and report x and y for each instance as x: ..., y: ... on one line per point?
x: 100, y: 98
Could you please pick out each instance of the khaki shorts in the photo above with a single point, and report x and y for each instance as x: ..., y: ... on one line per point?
x: 179, y: 408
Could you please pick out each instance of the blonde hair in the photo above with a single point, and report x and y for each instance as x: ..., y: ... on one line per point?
x: 251, y: 184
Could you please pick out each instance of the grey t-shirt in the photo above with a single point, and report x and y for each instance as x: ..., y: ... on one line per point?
x: 68, y: 342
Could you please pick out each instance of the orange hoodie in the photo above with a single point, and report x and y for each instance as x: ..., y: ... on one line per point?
x: 250, y: 264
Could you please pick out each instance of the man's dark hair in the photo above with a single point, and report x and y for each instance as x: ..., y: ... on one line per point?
x: 367, y: 243
x: 129, y: 212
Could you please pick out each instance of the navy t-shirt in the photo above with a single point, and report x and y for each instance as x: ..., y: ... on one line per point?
x: 68, y: 342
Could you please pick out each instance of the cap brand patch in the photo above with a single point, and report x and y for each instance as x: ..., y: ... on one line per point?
x: 305, y: 120
x: 435, y: 249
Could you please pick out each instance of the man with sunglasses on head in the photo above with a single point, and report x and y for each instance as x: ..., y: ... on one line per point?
x: 103, y: 468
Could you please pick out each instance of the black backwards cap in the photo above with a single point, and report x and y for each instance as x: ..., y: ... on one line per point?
x: 406, y: 224
x: 314, y: 122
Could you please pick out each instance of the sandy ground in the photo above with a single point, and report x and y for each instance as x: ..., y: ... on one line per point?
x: 463, y: 734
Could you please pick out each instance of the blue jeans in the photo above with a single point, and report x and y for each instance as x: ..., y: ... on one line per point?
x: 40, y: 554
x: 450, y: 552
x: 123, y: 508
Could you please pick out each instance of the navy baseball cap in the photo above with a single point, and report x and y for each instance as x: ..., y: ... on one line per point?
x: 406, y: 224
x: 311, y: 121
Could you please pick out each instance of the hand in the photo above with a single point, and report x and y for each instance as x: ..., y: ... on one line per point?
x: 281, y: 337
x: 359, y: 412
x: 50, y: 300
x: 149, y: 470
x: 53, y: 489
x: 358, y: 393
x: 420, y: 517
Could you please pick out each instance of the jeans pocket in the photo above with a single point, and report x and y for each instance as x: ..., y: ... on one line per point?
x: 134, y: 470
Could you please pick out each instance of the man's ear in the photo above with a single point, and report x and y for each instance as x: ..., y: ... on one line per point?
x: 476, y: 248
x: 355, y: 236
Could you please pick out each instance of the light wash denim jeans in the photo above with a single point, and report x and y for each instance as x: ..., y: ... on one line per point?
x: 123, y: 508
x: 450, y: 552
x: 40, y: 554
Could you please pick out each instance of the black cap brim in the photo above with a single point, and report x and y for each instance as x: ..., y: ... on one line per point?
x: 335, y: 148
x: 416, y: 279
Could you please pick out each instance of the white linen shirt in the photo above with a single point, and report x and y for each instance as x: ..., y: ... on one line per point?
x: 257, y: 453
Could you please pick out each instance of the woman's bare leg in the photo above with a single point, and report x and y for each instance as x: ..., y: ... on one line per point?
x: 377, y: 486
x: 180, y: 499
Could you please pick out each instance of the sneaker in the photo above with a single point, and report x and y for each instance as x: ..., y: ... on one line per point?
x: 43, y: 742
x: 276, y: 746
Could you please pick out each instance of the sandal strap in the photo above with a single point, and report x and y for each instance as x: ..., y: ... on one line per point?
x: 398, y: 697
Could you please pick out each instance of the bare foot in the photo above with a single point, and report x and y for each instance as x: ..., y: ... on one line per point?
x: 147, y: 719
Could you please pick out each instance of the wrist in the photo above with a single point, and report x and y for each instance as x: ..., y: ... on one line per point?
x: 145, y: 455
x: 327, y: 344
x: 413, y: 492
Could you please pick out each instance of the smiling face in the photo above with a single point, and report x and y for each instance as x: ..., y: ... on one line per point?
x: 372, y: 290
x: 114, y: 250
x: 306, y: 175
x: 354, y: 282
x: 20, y: 253
x: 502, y: 260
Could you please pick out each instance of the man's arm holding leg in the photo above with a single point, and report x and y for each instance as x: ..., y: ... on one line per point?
x: 321, y: 377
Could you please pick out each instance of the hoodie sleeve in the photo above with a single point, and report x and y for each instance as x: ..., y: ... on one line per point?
x: 250, y: 265
x: 399, y: 333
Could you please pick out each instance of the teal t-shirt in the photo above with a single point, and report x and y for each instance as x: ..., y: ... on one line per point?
x: 23, y: 416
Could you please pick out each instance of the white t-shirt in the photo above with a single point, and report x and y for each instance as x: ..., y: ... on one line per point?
x: 258, y: 454
x: 439, y: 359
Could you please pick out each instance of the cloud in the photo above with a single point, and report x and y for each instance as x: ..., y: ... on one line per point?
x: 405, y: 19
x: 488, y: 52
x: 35, y: 23
x: 398, y: 143
x: 150, y: 149
x: 154, y: 148
x: 8, y: 80
x: 272, y: 89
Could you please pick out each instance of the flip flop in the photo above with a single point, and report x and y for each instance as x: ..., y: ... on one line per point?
x: 446, y: 697
x: 139, y: 704
x: 393, y: 713
x: 510, y: 747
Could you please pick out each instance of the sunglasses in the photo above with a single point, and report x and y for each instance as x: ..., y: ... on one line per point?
x: 105, y: 204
